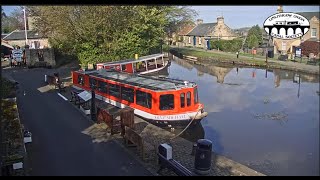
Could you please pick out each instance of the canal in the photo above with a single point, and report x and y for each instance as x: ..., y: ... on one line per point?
x: 265, y: 119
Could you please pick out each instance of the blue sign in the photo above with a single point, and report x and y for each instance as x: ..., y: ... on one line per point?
x: 298, y: 52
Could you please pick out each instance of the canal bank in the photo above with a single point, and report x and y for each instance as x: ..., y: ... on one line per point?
x: 204, y: 57
x: 152, y: 136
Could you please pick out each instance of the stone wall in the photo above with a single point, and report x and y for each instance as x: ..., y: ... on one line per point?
x: 46, y: 57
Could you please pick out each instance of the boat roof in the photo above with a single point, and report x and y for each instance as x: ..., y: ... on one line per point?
x: 156, y: 84
x: 126, y: 61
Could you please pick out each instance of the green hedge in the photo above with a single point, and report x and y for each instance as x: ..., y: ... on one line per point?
x: 226, y: 45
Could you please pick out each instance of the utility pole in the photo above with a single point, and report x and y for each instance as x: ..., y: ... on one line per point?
x: 25, y: 24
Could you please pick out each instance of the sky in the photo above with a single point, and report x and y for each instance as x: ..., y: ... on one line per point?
x: 245, y: 16
x: 234, y: 16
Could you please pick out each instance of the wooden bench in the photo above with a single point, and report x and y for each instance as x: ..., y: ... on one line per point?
x: 104, y: 115
x: 132, y: 138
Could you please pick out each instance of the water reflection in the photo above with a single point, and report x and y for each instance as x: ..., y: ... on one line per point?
x: 260, y: 117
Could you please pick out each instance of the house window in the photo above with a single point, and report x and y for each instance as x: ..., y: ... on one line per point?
x: 182, y: 100
x: 188, y: 98
x: 80, y: 80
x: 189, y: 40
x: 127, y: 94
x: 166, y: 102
x: 284, y: 46
x: 92, y: 83
x: 199, y: 40
x: 313, y: 32
x: 102, y: 86
x: 144, y: 99
x: 114, y: 90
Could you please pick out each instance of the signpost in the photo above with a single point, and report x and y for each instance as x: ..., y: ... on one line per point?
x: 298, y: 53
x: 17, y: 55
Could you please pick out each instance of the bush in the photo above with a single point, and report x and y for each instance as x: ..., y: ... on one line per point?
x: 308, y: 47
x: 226, y: 45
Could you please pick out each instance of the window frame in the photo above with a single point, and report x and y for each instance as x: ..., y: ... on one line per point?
x: 315, y: 31
x: 110, y: 90
x: 195, y: 95
x: 167, y: 104
x: 90, y: 82
x: 183, y: 103
x: 123, y: 89
x: 105, y: 86
x: 188, y: 98
x: 142, y: 104
x: 80, y: 76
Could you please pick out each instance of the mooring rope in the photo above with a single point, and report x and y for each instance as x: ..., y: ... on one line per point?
x: 199, y: 109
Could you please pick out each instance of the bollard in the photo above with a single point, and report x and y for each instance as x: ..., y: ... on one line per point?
x: 194, y: 147
x: 93, y: 106
x: 45, y: 78
x: 202, y: 162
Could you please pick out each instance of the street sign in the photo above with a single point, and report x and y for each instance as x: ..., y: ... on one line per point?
x: 17, y: 54
x: 298, y: 52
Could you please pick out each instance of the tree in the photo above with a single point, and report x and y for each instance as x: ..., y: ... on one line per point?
x: 253, y: 41
x: 105, y: 33
x: 12, y: 22
x: 254, y: 31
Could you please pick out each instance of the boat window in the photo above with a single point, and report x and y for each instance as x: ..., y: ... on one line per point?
x: 114, y: 90
x: 144, y: 99
x: 182, y: 100
x: 80, y: 79
x: 195, y: 95
x: 127, y: 94
x: 124, y: 67
x: 92, y: 83
x: 102, y: 86
x: 188, y: 98
x: 166, y: 102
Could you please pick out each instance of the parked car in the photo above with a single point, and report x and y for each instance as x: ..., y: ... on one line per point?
x: 27, y: 136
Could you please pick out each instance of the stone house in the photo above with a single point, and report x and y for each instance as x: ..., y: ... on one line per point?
x: 182, y: 34
x: 200, y: 35
x: 35, y: 39
x: 288, y: 46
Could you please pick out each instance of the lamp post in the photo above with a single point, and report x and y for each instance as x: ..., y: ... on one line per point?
x: 301, y: 41
x: 93, y: 104
x: 25, y: 24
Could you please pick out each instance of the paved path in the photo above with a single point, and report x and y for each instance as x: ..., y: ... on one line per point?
x: 289, y: 64
x: 59, y: 147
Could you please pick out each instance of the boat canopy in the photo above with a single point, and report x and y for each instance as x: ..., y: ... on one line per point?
x: 127, y: 61
x: 157, y: 84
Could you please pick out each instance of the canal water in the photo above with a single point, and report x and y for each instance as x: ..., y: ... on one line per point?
x: 265, y: 119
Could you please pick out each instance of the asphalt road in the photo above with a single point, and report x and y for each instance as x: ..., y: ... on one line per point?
x: 59, y: 148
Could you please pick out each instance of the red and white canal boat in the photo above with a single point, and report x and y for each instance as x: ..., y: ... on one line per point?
x: 143, y: 65
x: 159, y: 100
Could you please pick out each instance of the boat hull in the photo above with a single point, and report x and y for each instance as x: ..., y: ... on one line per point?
x: 175, y: 119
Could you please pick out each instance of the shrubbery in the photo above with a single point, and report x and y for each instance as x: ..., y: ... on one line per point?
x: 227, y: 45
x: 308, y: 47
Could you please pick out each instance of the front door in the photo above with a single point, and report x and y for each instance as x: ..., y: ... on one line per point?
x: 194, y: 40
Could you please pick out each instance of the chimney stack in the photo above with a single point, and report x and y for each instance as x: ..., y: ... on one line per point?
x: 199, y: 21
x: 220, y: 20
x: 280, y: 9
